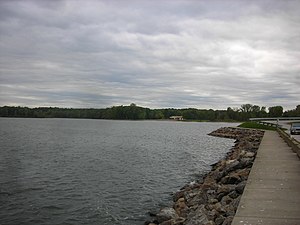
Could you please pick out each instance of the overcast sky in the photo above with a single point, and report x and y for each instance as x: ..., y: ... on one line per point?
x: 157, y: 54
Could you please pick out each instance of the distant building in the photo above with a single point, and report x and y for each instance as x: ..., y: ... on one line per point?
x: 176, y: 117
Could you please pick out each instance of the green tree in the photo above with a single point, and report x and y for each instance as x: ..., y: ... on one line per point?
x: 293, y: 113
x: 246, y: 108
x: 275, y: 111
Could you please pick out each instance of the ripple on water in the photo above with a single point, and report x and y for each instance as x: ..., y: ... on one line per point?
x: 64, y: 171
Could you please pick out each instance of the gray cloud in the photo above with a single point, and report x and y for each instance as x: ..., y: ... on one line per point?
x: 172, y: 54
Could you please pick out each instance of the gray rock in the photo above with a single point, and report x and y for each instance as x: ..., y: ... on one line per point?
x: 240, y: 187
x: 197, y: 199
x: 233, y: 194
x: 168, y: 222
x: 231, y: 165
x: 219, y: 208
x: 181, y: 207
x: 226, y: 189
x: 212, y: 201
x: 212, y: 214
x: 228, y: 220
x: 246, y: 162
x: 166, y: 214
x: 235, y: 202
x: 231, y: 179
x: 178, y: 195
x: 226, y: 200
x: 210, y: 223
x: 179, y: 221
x: 249, y: 154
x: 219, y: 220
x: 230, y: 210
x: 198, y: 217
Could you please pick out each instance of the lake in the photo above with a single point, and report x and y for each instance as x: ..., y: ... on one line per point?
x: 77, y: 171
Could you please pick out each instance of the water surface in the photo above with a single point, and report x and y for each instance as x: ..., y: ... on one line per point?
x: 71, y: 171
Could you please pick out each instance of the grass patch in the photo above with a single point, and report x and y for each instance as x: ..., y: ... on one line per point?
x: 255, y: 125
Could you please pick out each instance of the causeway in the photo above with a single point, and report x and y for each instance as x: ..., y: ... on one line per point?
x: 272, y: 192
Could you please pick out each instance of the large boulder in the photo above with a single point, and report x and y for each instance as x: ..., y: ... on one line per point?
x: 197, y: 217
x: 231, y: 179
x: 181, y: 207
x: 166, y: 214
x: 240, y: 187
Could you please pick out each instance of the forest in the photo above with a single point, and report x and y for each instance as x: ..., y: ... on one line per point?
x: 134, y: 112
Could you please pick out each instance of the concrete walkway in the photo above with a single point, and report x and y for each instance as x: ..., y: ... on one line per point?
x: 272, y: 193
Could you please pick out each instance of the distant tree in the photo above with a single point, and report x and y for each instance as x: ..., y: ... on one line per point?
x: 246, y: 108
x: 231, y: 113
x: 255, y: 108
x: 275, y: 111
x: 190, y: 114
x: 293, y: 113
x: 263, y: 113
x: 134, y: 112
x: 155, y: 114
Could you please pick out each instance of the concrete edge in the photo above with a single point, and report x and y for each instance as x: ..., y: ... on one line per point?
x: 294, y: 144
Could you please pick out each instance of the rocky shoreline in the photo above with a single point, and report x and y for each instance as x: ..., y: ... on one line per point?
x: 214, y: 200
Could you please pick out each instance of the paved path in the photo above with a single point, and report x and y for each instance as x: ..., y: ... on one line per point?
x: 272, y: 193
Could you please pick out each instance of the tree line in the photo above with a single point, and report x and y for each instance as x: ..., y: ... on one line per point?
x: 134, y: 112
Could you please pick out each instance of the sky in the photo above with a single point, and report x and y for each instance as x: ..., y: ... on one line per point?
x: 156, y: 54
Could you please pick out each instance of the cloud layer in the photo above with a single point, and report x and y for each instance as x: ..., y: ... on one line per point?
x: 203, y: 54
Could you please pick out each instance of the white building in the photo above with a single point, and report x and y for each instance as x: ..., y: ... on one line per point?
x: 176, y: 117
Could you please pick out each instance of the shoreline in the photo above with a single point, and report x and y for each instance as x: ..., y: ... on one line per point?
x: 214, y: 200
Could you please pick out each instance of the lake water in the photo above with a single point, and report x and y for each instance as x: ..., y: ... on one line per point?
x: 68, y: 171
